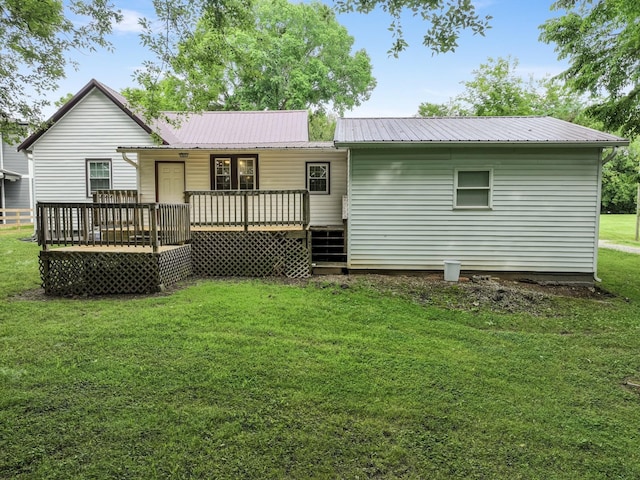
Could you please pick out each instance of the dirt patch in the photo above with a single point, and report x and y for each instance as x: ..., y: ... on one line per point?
x: 471, y: 294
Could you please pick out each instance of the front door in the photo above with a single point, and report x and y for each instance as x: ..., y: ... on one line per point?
x: 170, y: 182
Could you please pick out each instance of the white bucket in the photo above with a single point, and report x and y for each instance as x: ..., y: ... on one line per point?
x: 451, y: 270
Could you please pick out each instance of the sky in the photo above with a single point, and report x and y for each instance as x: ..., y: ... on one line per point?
x: 402, y: 83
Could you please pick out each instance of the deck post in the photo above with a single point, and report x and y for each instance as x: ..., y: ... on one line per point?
x: 245, y: 210
x: 153, y: 214
x: 42, y: 230
x: 307, y: 208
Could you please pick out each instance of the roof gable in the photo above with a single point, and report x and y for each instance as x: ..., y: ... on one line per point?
x: 469, y: 130
x: 112, y: 95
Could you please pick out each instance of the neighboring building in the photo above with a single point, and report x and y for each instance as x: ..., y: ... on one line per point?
x: 16, y: 189
x: 504, y: 194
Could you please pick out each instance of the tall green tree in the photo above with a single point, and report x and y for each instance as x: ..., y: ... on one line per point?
x: 35, y: 38
x: 183, y: 21
x: 601, y: 40
x: 291, y: 56
x: 497, y: 89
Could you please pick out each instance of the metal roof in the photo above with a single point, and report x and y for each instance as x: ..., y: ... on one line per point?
x: 213, y: 128
x: 469, y: 130
x: 235, y: 146
x: 183, y: 128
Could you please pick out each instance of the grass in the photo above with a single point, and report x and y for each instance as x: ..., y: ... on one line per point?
x: 619, y: 229
x: 252, y: 379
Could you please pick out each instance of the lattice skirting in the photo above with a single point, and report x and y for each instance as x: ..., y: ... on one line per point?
x: 250, y: 254
x: 96, y: 273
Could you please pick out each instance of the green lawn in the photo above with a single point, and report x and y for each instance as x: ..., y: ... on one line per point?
x: 253, y: 379
x: 619, y: 229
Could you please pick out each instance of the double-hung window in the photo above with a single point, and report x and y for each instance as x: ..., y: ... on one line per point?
x: 473, y: 188
x: 98, y: 175
x: 318, y: 177
x: 234, y: 172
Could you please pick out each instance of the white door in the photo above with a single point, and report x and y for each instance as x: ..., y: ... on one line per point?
x: 170, y: 182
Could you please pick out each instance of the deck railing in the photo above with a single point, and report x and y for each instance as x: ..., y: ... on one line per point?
x: 249, y: 208
x: 116, y: 196
x: 113, y: 224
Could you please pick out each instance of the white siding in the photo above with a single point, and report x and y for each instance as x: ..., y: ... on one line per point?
x: 545, y: 204
x: 91, y: 129
x: 277, y: 170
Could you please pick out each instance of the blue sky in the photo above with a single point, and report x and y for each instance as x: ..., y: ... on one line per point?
x: 403, y: 83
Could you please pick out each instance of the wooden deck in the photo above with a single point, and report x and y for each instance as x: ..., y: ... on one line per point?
x: 131, y: 247
x: 250, y: 228
x: 115, y: 248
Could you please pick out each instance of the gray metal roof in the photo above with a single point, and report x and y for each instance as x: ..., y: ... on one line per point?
x: 469, y: 130
x: 213, y: 128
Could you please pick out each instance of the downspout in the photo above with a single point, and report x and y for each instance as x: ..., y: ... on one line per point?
x: 133, y: 163
x: 601, y: 163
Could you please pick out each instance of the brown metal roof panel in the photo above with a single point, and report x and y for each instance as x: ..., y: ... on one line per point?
x: 239, y: 127
x: 235, y: 146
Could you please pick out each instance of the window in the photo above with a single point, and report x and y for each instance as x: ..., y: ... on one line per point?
x: 473, y: 189
x: 234, y: 172
x: 318, y: 177
x: 98, y: 175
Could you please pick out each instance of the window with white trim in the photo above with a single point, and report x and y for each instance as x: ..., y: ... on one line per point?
x: 473, y: 188
x: 318, y: 177
x: 98, y: 175
x: 234, y: 172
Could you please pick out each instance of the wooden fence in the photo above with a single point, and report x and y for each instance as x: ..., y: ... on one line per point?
x: 113, y: 224
x: 248, y: 208
x: 16, y: 217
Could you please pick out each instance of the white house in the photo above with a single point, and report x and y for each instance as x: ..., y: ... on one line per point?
x: 514, y: 195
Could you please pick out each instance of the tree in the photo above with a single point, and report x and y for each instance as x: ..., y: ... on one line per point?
x: 620, y: 179
x: 294, y: 56
x: 601, y: 40
x: 446, y: 19
x: 63, y: 99
x: 291, y: 56
x: 181, y: 19
x: 322, y: 126
x: 35, y: 36
x: 498, y: 90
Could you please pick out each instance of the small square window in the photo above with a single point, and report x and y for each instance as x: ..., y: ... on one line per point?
x: 473, y: 188
x: 318, y: 177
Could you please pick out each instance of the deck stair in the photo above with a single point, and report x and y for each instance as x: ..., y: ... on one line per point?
x: 328, y: 245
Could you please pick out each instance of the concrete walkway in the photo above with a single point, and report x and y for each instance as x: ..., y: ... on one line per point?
x: 615, y: 246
